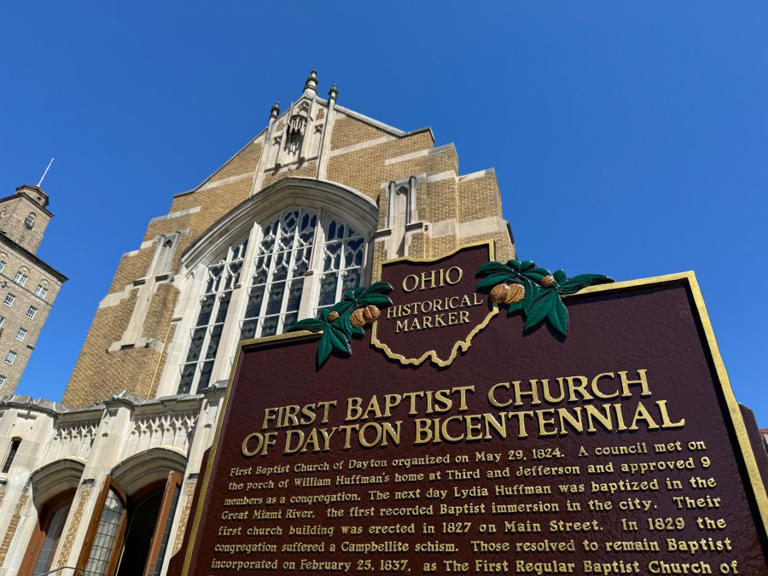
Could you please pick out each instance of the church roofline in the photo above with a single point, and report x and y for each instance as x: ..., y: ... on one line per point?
x: 368, y: 120
x: 94, y: 411
x: 344, y: 110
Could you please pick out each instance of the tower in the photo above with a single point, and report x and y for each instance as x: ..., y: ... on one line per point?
x: 28, y: 285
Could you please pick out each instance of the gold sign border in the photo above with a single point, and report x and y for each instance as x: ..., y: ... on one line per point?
x: 736, y: 420
x: 460, y: 345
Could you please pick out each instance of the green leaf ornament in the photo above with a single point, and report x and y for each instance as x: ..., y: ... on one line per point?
x: 337, y: 333
x: 540, y: 303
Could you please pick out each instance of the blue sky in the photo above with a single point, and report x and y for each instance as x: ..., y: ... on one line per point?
x: 629, y: 138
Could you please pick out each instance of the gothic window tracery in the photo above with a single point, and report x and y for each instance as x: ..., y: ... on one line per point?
x: 343, y: 257
x: 281, y: 264
x: 221, y: 279
x: 303, y: 260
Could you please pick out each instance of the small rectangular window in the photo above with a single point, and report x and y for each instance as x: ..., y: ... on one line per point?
x: 21, y: 334
x: 2, y: 319
x: 2, y: 381
x: 10, y: 358
x: 15, y: 443
x: 41, y: 291
x: 2, y: 265
x: 31, y: 311
x: 9, y: 298
x: 20, y: 278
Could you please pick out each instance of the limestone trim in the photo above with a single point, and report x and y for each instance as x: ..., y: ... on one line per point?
x: 157, y: 274
x: 228, y: 180
x: 72, y: 438
x: 468, y: 229
x: 406, y: 157
x: 476, y: 175
x: 180, y: 213
x: 328, y: 199
x: 27, y: 403
x: 360, y: 146
x: 167, y: 429
x: 55, y: 478
x: 148, y: 467
x: 288, y: 166
x: 347, y: 203
x: 375, y: 123
x: 115, y: 298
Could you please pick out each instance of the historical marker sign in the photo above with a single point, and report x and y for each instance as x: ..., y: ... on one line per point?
x: 618, y: 449
x: 430, y: 296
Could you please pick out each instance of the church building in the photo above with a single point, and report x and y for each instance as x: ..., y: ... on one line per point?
x: 101, y: 483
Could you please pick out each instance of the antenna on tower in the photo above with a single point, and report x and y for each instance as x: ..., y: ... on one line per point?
x: 46, y: 172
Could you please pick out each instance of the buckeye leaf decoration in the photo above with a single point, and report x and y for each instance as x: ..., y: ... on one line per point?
x: 346, y: 318
x: 543, y: 291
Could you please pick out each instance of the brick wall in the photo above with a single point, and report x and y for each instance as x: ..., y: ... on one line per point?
x: 367, y: 168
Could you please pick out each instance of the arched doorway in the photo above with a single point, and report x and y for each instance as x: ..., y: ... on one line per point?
x: 150, y: 515
x: 131, y: 525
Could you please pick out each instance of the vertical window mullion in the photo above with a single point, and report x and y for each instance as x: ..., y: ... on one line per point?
x: 248, y: 270
x: 342, y: 265
x: 314, y: 268
x: 318, y: 240
x: 289, y: 276
x: 270, y: 276
x: 202, y: 357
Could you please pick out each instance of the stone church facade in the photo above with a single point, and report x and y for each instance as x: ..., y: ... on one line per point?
x: 102, y: 483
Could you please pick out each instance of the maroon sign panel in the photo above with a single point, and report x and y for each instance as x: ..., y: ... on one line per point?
x: 431, y: 297
x: 615, y: 450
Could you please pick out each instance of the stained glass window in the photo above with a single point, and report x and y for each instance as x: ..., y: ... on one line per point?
x: 281, y: 264
x: 285, y: 276
x: 342, y: 265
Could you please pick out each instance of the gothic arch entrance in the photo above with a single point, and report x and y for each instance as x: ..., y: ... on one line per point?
x: 150, y: 514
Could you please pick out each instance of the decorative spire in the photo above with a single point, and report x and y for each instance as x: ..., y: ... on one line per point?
x: 310, y: 86
x: 333, y: 92
x: 275, y: 111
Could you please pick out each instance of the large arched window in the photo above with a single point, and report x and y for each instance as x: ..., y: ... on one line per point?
x: 342, y: 262
x: 284, y: 257
x: 303, y: 260
x: 214, y: 304
x: 281, y: 265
